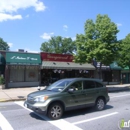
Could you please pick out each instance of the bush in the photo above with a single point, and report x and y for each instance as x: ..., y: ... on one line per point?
x: 2, y: 80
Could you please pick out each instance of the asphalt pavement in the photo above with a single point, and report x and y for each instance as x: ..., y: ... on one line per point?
x: 18, y: 94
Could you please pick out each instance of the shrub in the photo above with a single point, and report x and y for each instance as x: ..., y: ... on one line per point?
x: 2, y: 80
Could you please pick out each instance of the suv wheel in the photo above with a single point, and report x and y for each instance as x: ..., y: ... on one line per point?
x: 100, y: 104
x: 55, y: 111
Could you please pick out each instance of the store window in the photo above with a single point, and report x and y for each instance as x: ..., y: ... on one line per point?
x: 16, y: 74
x: 116, y: 76
x: 107, y: 76
x: 31, y: 74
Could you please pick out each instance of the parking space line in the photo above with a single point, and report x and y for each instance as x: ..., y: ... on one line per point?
x: 61, y: 124
x: 99, y: 117
x: 4, y: 124
x: 120, y: 96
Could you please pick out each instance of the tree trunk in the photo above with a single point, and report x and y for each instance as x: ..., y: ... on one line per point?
x: 100, y: 70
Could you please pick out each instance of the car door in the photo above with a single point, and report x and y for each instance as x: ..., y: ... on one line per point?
x: 89, y: 88
x: 101, y: 89
x: 76, y: 97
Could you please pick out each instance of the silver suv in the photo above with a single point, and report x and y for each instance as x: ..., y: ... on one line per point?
x: 68, y: 94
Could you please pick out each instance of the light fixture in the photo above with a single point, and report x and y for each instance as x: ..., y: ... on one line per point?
x: 59, y: 71
x: 54, y: 71
x: 80, y: 71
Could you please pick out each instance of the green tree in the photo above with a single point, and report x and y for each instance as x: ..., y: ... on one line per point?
x: 99, y: 41
x: 124, y: 52
x: 3, y: 45
x: 59, y: 44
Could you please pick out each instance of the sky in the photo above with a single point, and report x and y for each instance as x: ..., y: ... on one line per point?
x: 26, y: 24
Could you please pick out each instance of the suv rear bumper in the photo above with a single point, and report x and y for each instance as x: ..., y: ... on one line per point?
x: 108, y: 99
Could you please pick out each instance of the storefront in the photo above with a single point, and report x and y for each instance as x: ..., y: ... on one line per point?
x: 116, y: 73
x: 108, y: 74
x: 103, y: 73
x: 22, y: 69
x: 58, y: 66
x: 125, y: 75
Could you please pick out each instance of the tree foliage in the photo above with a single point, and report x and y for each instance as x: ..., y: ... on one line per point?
x: 99, y: 41
x: 59, y: 44
x: 3, y: 45
x: 124, y: 52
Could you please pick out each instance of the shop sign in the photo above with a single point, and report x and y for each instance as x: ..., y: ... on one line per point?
x: 32, y: 75
x: 57, y: 57
x: 23, y: 58
x: 103, y: 67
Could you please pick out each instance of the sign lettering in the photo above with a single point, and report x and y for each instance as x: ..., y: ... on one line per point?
x: 23, y: 58
x: 57, y: 57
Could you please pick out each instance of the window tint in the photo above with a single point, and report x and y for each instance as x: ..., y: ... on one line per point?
x: 89, y: 84
x: 59, y: 85
x: 98, y: 85
x: 77, y: 85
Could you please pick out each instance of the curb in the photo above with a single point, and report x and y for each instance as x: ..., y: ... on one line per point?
x: 12, y: 100
x: 110, y: 90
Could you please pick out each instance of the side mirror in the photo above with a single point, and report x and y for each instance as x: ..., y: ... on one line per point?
x: 71, y: 90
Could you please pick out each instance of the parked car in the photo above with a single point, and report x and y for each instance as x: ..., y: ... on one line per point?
x: 68, y: 94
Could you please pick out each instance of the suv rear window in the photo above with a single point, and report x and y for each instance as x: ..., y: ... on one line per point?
x: 98, y: 85
x: 89, y: 84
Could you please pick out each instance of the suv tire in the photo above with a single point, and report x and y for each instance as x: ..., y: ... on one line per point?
x: 55, y: 111
x: 100, y: 104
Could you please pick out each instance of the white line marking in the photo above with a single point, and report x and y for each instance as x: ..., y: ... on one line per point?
x: 64, y: 125
x: 61, y: 124
x: 120, y: 96
x: 4, y: 124
x: 99, y: 117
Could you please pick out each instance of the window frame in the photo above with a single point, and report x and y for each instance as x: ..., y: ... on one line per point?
x: 75, y: 82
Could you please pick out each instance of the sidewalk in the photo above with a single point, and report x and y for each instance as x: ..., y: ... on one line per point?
x: 17, y: 94
x: 117, y: 88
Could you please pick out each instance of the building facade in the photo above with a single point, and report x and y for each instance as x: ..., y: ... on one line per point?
x: 22, y: 69
x: 108, y: 74
x: 58, y: 66
x: 125, y: 75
